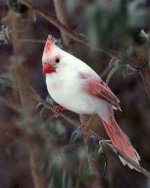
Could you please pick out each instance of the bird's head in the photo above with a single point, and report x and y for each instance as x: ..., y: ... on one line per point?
x: 51, y: 56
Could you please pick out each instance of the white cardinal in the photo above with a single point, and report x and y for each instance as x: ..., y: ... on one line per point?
x: 76, y: 87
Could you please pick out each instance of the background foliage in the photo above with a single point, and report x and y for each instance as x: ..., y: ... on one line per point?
x: 38, y: 150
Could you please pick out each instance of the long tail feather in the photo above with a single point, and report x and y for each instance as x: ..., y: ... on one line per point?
x: 121, y: 142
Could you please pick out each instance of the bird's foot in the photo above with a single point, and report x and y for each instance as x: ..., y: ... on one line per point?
x: 57, y: 109
x: 86, y: 126
x: 104, y: 142
x: 84, y: 129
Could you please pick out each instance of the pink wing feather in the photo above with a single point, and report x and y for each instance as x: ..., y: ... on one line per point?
x: 99, y: 89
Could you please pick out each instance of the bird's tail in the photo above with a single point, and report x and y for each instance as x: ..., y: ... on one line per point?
x: 121, y: 141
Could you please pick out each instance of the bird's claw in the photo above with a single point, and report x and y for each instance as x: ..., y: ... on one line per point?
x: 84, y: 129
x: 102, y: 142
x: 57, y: 109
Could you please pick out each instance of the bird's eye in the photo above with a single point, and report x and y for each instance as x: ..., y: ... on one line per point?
x: 57, y: 60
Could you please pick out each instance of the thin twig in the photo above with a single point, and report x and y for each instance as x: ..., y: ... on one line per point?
x: 78, y: 37
x: 32, y: 41
x: 61, y: 16
x: 108, y: 67
x: 133, y: 163
x: 46, y: 15
x: 145, y: 81
x: 71, y: 33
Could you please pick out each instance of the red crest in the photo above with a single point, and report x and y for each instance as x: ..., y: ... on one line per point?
x: 49, y: 44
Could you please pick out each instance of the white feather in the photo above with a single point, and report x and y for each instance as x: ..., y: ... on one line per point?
x: 66, y: 89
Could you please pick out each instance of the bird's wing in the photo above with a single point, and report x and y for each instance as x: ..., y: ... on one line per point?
x: 99, y: 89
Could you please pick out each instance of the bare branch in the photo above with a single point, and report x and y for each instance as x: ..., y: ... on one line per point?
x: 133, y: 163
x: 46, y: 15
x: 61, y: 16
x: 32, y: 41
x: 145, y: 75
x: 78, y: 37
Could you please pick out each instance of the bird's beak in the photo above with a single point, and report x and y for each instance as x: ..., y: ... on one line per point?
x: 48, y: 68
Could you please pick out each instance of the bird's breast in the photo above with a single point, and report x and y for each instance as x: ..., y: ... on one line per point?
x: 55, y: 85
x: 69, y: 93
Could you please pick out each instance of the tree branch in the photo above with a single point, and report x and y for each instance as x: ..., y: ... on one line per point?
x: 46, y: 15
x: 145, y: 75
x: 61, y: 16
x: 78, y: 37
x: 32, y: 41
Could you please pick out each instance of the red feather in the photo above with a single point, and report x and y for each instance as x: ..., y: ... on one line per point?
x: 49, y: 44
x: 99, y: 89
x: 120, y: 140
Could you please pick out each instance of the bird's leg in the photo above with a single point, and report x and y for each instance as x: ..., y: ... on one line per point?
x: 57, y: 109
x: 85, y: 127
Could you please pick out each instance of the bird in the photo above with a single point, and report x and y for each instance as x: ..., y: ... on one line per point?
x: 75, y: 86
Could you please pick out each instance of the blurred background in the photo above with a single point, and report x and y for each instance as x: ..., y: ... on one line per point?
x: 39, y: 150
